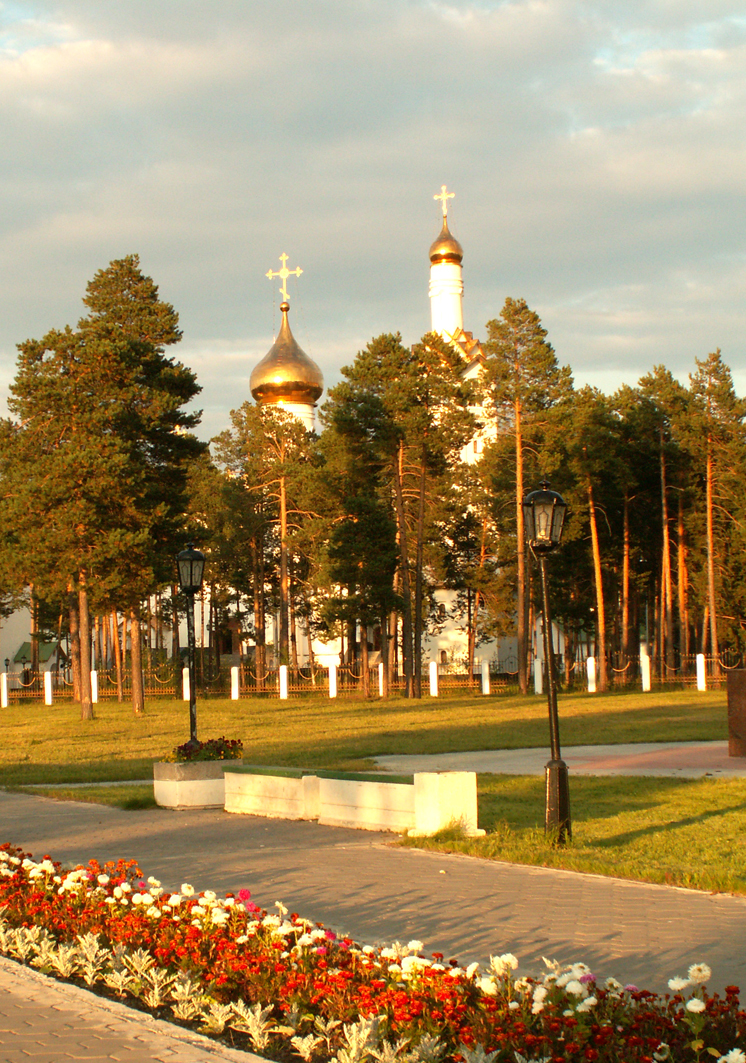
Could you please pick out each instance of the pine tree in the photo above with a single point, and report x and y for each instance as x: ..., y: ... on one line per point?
x: 523, y: 382
x: 95, y: 471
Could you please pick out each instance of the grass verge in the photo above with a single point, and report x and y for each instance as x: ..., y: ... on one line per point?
x: 679, y: 832
x: 52, y: 745
x: 129, y: 798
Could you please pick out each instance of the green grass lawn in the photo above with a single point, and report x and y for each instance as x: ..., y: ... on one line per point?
x: 51, y: 744
x: 677, y: 831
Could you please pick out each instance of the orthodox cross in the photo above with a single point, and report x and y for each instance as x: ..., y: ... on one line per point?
x: 284, y: 273
x: 444, y: 197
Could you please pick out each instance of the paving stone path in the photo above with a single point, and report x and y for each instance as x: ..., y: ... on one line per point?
x: 357, y: 883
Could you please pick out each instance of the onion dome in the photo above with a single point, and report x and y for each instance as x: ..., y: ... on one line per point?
x: 446, y: 248
x: 286, y: 373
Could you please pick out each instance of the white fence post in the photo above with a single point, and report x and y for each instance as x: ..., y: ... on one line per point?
x: 645, y: 671
x: 485, y: 677
x: 380, y: 679
x: 701, y: 672
x: 4, y: 690
x: 94, y: 687
x: 332, y: 680
x: 185, y: 684
x: 283, y: 682
x: 47, y: 688
x: 234, y: 682
x: 590, y: 667
x: 538, y: 675
x: 433, y: 679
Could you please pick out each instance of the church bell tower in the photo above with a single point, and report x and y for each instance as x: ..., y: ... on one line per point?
x: 446, y: 279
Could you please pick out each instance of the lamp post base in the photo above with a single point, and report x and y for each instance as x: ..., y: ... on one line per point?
x: 557, y: 823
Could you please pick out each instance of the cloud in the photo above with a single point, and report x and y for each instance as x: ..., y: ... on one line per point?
x: 595, y: 149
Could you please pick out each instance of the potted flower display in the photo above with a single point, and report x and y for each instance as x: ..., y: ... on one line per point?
x: 191, y: 776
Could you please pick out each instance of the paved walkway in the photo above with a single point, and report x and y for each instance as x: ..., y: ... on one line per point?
x: 358, y: 883
x: 685, y: 759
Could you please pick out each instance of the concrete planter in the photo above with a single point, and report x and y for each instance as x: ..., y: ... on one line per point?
x: 193, y: 784
x: 419, y: 804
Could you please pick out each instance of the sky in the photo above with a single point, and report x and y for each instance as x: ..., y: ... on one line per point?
x: 596, y: 150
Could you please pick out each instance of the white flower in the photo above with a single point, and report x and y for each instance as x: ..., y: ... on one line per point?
x: 611, y: 983
x: 502, y: 964
x: 153, y: 912
x: 198, y: 910
x: 304, y: 940
x: 677, y: 984
x: 456, y: 972
x: 576, y: 988
x: 229, y: 902
x: 272, y: 920
x: 126, y: 888
x: 487, y: 985
x: 695, y: 1005
x: 540, y: 993
x: 415, y: 946
x: 118, y: 892
x: 699, y: 972
x: 368, y: 950
x: 471, y: 970
x: 103, y: 880
x: 219, y: 917
x: 734, y: 1056
x: 153, y: 881
x: 537, y: 1007
x: 187, y: 890
x: 208, y: 897
x: 587, y: 1004
x: 174, y: 900
x: 513, y: 1005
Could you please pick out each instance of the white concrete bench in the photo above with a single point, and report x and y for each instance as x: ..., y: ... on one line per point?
x: 419, y: 804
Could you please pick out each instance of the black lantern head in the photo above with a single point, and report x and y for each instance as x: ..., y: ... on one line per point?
x: 543, y: 515
x: 191, y: 567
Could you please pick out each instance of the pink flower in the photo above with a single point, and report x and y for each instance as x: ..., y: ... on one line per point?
x: 244, y: 896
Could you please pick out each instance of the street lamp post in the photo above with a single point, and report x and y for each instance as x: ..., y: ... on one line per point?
x: 544, y: 515
x: 191, y: 564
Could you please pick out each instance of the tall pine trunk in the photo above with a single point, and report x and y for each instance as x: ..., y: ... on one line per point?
x: 364, y: 658
x: 521, y: 610
x: 138, y: 693
x: 682, y: 580
x: 418, y: 580
x: 117, y: 655
x: 284, y: 577
x: 711, y: 599
x: 625, y: 584
x: 84, y: 620
x: 598, y: 579
x: 406, y: 590
x: 75, y: 646
x: 667, y: 597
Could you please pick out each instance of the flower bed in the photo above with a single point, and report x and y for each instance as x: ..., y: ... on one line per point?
x: 291, y: 989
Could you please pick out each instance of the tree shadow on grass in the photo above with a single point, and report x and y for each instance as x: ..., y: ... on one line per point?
x: 626, y: 837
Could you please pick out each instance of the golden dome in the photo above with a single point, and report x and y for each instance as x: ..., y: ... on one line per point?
x: 286, y: 373
x: 446, y: 248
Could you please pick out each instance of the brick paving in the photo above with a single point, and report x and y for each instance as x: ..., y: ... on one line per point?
x: 357, y: 883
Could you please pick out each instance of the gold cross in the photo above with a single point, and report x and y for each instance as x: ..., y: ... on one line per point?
x: 444, y: 197
x: 284, y: 273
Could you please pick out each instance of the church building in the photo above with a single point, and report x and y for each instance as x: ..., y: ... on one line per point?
x: 288, y: 378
